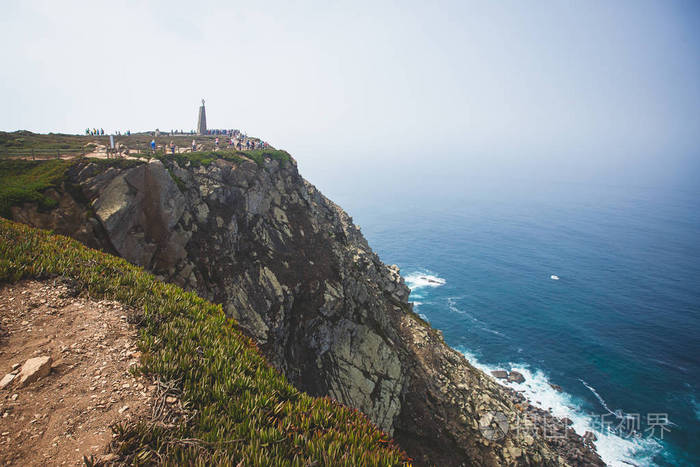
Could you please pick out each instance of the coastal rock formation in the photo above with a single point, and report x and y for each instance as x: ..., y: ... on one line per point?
x: 516, y: 377
x: 295, y: 272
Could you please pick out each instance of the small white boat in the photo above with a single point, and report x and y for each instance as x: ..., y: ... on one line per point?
x: 554, y: 278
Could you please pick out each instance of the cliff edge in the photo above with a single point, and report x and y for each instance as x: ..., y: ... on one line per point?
x: 298, y: 276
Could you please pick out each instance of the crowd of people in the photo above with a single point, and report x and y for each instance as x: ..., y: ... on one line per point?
x: 228, y: 139
x: 237, y: 141
x: 211, y: 132
x: 101, y: 132
x: 240, y: 142
x: 224, y: 132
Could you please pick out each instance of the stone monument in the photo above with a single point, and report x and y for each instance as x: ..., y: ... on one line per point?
x: 202, y: 121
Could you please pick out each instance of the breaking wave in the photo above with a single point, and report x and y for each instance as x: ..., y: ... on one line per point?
x: 615, y: 450
x: 420, y: 280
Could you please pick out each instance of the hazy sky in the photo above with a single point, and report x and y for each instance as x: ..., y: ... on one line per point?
x: 583, y: 86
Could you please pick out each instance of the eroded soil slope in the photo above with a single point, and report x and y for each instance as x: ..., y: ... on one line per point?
x: 65, y: 415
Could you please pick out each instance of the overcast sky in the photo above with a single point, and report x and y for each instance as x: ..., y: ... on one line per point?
x: 582, y: 84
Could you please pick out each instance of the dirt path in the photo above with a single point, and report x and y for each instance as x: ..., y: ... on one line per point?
x: 67, y: 414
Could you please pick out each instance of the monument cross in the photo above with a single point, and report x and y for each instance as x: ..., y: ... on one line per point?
x: 202, y: 121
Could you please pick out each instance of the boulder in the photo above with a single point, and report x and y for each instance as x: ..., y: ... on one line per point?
x: 33, y: 369
x: 6, y: 380
x: 589, y: 436
x: 500, y: 374
x: 556, y: 387
x: 516, y: 377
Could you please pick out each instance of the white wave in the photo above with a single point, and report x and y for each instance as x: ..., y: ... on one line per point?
x: 618, y: 414
x: 424, y: 317
x: 452, y: 306
x: 420, y: 280
x: 493, y: 331
x: 554, y: 277
x: 598, y: 396
x: 615, y: 450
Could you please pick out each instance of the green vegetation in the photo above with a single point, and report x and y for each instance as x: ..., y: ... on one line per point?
x: 242, y: 409
x: 23, y: 181
x: 259, y: 155
x: 205, y: 158
x: 24, y: 142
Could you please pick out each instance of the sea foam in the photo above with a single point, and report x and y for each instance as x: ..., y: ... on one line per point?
x: 615, y: 450
x: 419, y: 280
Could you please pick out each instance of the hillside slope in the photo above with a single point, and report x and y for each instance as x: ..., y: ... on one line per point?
x: 235, y: 406
x: 289, y: 265
x: 87, y: 348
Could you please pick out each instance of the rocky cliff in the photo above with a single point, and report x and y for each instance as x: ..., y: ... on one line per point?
x: 300, y: 278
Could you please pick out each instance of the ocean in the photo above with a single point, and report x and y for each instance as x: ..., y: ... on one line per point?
x: 594, y: 288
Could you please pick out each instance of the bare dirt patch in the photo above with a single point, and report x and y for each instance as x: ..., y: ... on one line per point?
x: 61, y: 417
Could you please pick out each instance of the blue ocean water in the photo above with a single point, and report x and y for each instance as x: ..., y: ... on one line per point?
x: 619, y: 330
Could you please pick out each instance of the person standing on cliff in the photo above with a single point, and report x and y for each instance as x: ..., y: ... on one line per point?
x: 194, y: 145
x: 153, y: 146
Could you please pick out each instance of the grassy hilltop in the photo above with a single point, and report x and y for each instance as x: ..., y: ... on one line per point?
x: 22, y: 143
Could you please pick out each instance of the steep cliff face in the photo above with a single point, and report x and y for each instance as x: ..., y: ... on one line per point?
x: 300, y: 278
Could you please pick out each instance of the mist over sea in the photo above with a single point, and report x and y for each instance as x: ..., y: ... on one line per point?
x: 619, y: 331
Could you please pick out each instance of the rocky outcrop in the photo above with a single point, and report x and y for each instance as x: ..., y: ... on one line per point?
x: 516, y: 377
x: 291, y: 267
x: 139, y: 209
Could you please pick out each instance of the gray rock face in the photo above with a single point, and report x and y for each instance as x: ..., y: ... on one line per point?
x: 298, y: 276
x: 139, y: 210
